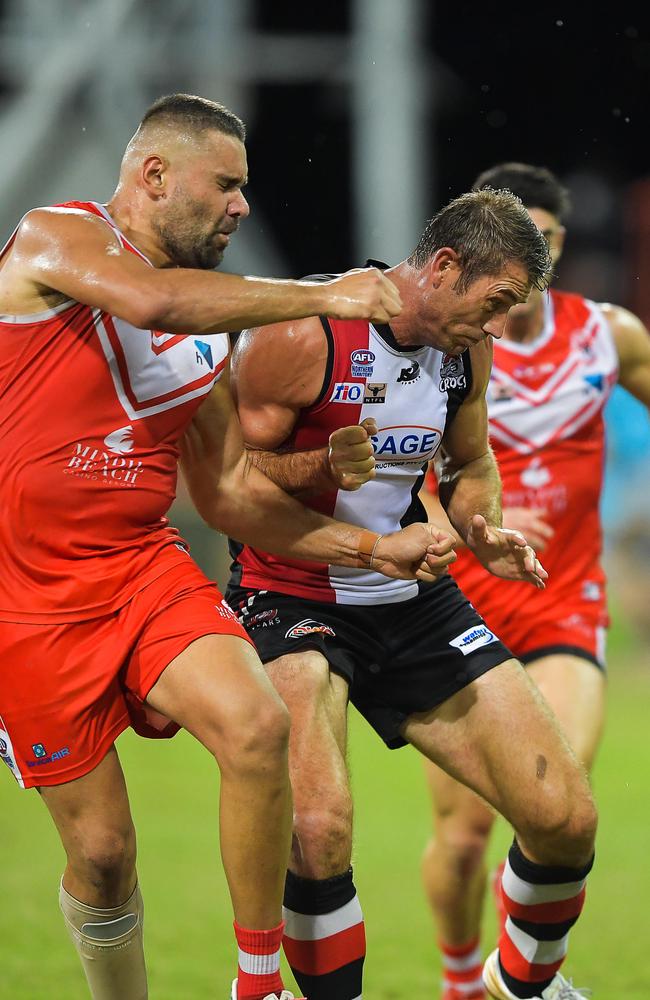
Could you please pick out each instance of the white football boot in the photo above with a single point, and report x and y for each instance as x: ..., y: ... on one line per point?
x: 559, y: 989
x: 285, y: 995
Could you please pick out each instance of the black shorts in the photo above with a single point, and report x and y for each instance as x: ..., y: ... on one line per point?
x: 398, y: 659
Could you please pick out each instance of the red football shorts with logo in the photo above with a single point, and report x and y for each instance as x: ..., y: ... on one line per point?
x: 68, y: 690
x: 535, y: 623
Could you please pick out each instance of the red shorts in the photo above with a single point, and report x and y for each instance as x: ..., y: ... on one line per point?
x: 532, y: 626
x: 571, y: 632
x: 68, y: 690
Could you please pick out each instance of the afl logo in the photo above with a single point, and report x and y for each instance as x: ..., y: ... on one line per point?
x: 362, y: 357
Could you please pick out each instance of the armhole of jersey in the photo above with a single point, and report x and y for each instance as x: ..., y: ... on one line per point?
x: 458, y: 396
x: 416, y: 512
x: 329, y: 365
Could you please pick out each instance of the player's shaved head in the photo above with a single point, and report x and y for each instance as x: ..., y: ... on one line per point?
x: 189, y: 113
x: 179, y: 120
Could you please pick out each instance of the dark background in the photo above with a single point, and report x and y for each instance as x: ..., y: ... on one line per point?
x: 560, y: 85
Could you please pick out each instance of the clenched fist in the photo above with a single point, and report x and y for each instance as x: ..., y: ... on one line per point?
x: 417, y: 552
x: 365, y: 293
x: 351, y: 455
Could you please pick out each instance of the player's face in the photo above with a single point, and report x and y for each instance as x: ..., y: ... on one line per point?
x: 204, y: 202
x: 471, y: 316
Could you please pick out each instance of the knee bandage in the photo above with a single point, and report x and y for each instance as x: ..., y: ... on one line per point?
x: 109, y: 944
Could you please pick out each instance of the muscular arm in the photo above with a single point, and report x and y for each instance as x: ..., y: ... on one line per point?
x: 632, y: 341
x: 468, y: 477
x: 232, y: 495
x: 59, y: 253
x: 277, y: 372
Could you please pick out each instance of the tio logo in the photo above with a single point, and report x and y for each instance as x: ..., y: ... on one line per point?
x: 347, y: 392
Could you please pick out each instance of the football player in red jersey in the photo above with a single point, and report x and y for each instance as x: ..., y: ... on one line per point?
x: 111, y: 364
x: 553, y: 370
x: 418, y: 663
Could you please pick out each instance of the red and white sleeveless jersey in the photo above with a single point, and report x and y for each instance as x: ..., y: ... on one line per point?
x: 412, y: 394
x: 92, y: 411
x: 545, y: 402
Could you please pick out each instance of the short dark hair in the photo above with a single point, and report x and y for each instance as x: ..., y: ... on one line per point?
x: 487, y: 229
x: 537, y: 187
x: 197, y: 113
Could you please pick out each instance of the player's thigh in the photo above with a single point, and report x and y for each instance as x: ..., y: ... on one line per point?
x: 498, y: 736
x: 218, y: 690
x: 317, y: 699
x: 458, y: 812
x: 575, y: 689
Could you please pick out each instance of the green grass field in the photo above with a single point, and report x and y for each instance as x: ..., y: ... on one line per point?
x: 188, y: 927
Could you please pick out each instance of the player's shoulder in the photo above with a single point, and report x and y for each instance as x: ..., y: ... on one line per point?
x: 284, y: 361
x: 629, y: 333
x: 57, y: 221
x: 619, y: 317
x: 287, y: 341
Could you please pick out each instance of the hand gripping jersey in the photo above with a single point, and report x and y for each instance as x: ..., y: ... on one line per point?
x: 413, y: 394
x: 91, y: 414
x: 545, y: 402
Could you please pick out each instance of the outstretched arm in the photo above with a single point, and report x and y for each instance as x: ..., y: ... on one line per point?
x: 235, y: 497
x: 60, y: 253
x: 469, y: 486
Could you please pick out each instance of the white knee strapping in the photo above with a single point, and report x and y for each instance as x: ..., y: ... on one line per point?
x: 109, y: 944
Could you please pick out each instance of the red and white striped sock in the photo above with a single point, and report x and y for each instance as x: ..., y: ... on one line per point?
x: 542, y: 903
x: 325, y: 940
x: 258, y: 973
x: 461, y: 969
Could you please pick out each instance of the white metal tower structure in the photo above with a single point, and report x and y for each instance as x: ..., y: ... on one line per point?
x: 80, y: 72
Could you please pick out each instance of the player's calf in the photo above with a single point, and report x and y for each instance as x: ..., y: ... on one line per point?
x: 325, y: 941
x: 109, y: 944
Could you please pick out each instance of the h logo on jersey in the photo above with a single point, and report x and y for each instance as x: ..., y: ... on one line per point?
x: 203, y: 353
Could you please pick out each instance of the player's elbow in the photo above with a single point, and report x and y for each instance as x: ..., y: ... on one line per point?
x: 150, y: 309
x: 220, y: 503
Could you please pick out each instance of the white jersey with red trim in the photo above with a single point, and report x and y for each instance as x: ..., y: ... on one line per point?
x: 546, y: 401
x: 92, y: 412
x: 412, y: 394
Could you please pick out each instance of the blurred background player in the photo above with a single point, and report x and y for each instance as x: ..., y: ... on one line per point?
x: 553, y: 370
x: 418, y: 663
